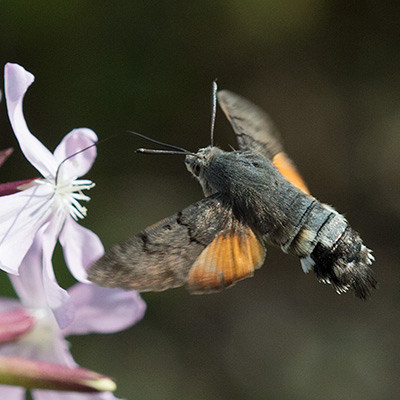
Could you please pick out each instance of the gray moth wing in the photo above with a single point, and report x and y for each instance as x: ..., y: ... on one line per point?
x: 254, y: 129
x: 160, y: 257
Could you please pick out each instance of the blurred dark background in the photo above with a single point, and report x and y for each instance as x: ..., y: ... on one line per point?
x: 328, y: 74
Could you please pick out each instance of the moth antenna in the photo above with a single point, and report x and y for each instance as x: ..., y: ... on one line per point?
x: 171, y: 146
x: 213, y: 109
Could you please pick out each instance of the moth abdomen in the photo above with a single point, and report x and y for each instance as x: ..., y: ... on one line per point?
x: 345, y: 265
x: 327, y: 244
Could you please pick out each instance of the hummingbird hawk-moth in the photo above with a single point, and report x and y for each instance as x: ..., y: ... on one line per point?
x: 253, y: 196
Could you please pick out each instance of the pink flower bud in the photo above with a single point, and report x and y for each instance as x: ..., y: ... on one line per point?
x: 40, y: 375
x: 14, y: 323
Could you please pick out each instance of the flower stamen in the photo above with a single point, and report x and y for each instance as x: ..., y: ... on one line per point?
x: 68, y: 193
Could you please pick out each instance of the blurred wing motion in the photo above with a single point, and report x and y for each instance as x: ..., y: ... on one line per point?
x: 203, y: 246
x: 256, y: 132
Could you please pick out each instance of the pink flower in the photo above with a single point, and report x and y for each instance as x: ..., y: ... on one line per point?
x: 98, y: 310
x: 47, y: 210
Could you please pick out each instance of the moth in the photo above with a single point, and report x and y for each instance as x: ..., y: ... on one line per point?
x: 253, y: 196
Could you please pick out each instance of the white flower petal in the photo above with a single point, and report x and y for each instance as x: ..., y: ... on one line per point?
x: 12, y: 392
x: 21, y: 216
x: 57, y: 298
x: 36, y: 284
x: 44, y: 343
x: 58, y: 395
x: 17, y: 81
x: 39, y: 293
x: 72, y: 143
x: 34, y: 346
x: 103, y: 310
x: 7, y: 305
x: 81, y: 247
x: 29, y: 283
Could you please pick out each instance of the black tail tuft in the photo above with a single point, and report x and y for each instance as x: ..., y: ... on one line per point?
x: 346, y: 266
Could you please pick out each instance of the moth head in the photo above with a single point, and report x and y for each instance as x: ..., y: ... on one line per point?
x: 198, y: 165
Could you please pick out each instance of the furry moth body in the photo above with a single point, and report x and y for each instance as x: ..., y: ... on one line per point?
x: 254, y: 195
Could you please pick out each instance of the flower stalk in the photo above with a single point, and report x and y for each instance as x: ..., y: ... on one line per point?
x: 40, y: 375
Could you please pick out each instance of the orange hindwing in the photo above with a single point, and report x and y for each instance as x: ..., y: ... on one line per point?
x: 230, y: 257
x: 286, y: 167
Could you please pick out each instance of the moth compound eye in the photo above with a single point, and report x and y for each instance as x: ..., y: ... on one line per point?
x: 196, y: 169
x: 194, y: 165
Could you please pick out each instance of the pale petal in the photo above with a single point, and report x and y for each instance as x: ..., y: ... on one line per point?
x: 44, y: 343
x: 53, y: 395
x: 103, y: 310
x: 80, y: 163
x: 16, y: 82
x: 21, y: 215
x: 29, y: 283
x: 57, y: 298
x: 12, y: 392
x: 81, y: 247
x: 53, y: 349
x: 7, y: 304
x: 36, y: 284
